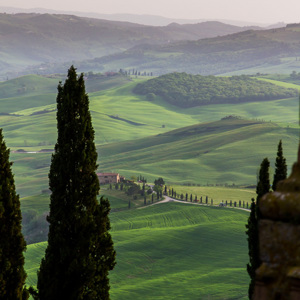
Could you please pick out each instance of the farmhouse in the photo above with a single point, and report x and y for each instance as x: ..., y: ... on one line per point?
x: 105, y: 178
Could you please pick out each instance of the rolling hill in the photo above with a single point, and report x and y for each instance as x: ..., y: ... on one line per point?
x: 33, y: 39
x: 128, y: 126
x: 249, y: 51
x: 173, y: 251
x: 186, y: 90
x: 215, y: 152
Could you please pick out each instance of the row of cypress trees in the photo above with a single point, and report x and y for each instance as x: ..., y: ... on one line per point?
x: 80, y: 250
x: 263, y: 187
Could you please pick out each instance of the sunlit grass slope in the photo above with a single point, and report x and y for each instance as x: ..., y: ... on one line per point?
x: 226, y: 151
x: 217, y: 193
x: 117, y: 113
x: 174, y: 251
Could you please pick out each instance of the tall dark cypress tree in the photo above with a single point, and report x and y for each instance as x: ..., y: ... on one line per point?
x: 80, y: 250
x: 253, y: 251
x: 280, y: 167
x: 12, y: 243
x: 263, y: 187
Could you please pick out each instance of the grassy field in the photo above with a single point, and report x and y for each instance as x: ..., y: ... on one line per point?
x: 217, y: 193
x: 36, y: 208
x: 208, y: 153
x: 165, y: 251
x: 117, y: 113
x: 120, y: 118
x: 174, y: 251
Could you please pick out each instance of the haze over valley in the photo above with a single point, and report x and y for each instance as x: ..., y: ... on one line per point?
x: 193, y: 99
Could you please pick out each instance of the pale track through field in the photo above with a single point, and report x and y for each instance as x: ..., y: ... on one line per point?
x: 169, y: 199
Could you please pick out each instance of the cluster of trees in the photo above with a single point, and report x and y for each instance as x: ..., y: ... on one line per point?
x: 295, y: 76
x: 130, y: 188
x: 263, y: 187
x: 186, y: 90
x: 80, y: 250
x: 135, y: 72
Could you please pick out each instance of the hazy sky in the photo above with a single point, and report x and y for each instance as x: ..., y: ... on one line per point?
x: 265, y: 11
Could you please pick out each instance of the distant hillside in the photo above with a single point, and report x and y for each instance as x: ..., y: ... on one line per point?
x: 240, y: 51
x: 152, y: 20
x: 186, y: 90
x: 34, y: 85
x: 28, y: 120
x: 30, y: 39
x: 229, y: 150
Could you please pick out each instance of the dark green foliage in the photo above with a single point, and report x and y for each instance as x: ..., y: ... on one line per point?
x: 186, y: 197
x: 263, y: 185
x: 12, y: 243
x: 159, y: 181
x: 254, y: 260
x: 186, y: 90
x: 80, y: 250
x: 133, y: 189
x: 280, y: 167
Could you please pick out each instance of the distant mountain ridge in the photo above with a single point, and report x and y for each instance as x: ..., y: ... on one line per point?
x: 33, y: 39
x: 218, y: 55
x: 144, y: 19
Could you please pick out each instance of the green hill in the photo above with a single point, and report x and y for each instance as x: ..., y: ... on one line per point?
x: 174, y: 251
x: 226, y: 151
x: 246, y: 52
x: 51, y: 39
x: 119, y: 116
x: 187, y: 90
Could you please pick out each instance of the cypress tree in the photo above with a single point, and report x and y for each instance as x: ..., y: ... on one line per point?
x: 280, y: 167
x: 263, y: 187
x: 253, y: 251
x: 80, y: 250
x: 12, y: 243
